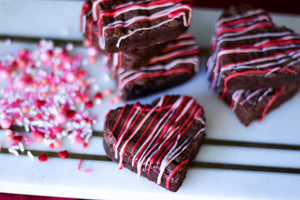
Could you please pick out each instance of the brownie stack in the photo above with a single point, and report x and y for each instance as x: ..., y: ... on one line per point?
x: 146, y: 42
x: 254, y: 65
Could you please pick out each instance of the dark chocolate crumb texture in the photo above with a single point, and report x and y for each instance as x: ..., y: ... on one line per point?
x: 177, y: 63
x: 250, y: 105
x: 157, y: 141
x: 123, y: 25
x: 251, y: 52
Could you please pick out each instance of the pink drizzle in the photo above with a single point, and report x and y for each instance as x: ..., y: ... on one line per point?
x: 161, y: 142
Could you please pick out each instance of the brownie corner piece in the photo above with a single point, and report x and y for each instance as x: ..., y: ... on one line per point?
x: 157, y: 141
x: 251, y: 52
x: 250, y: 105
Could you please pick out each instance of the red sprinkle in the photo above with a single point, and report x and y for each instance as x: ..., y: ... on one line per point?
x: 85, y: 145
x: 98, y: 95
x: 51, y: 145
x: 63, y: 154
x: 43, y: 157
x: 17, y: 138
x: 71, y: 113
x: 89, y: 104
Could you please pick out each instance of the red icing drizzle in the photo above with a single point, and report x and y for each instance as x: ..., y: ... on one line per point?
x: 84, y: 10
x: 177, y: 11
x: 163, y: 137
x: 175, y: 55
x: 242, y: 26
x: 272, y: 100
x: 180, y: 53
x: 186, y: 124
x: 228, y: 78
x: 257, y: 59
x: 256, y: 26
x: 173, y: 172
x: 242, y: 20
x: 165, y: 73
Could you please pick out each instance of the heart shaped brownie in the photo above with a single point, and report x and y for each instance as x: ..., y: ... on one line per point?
x: 251, y: 52
x: 157, y: 141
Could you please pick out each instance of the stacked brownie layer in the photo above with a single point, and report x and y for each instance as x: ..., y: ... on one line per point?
x: 146, y: 42
x: 255, y: 65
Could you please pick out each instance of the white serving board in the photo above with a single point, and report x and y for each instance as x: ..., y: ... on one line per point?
x: 59, y: 177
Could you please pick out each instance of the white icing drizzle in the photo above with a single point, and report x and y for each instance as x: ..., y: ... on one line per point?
x: 236, y: 96
x: 165, y: 132
x: 170, y: 7
x: 285, y: 40
x: 130, y: 75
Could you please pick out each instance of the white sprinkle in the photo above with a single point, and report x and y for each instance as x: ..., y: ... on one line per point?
x: 30, y: 155
x: 7, y: 42
x: 85, y: 62
x: 70, y: 47
x: 8, y: 132
x: 13, y: 151
x: 15, y: 147
x: 98, y: 102
x: 21, y: 147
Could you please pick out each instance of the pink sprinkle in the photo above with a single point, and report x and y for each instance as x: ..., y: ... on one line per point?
x: 92, y: 51
x: 21, y: 84
x: 86, y: 43
x: 61, y: 118
x: 92, y: 59
x: 6, y: 123
x: 107, y: 92
x: 28, y: 142
x: 57, y: 144
x: 105, y: 68
x: 115, y: 100
x: 52, y: 92
x: 87, y: 171
x: 25, y: 109
x: 4, y: 74
x: 79, y: 139
x: 70, y: 77
x: 37, y: 136
x: 9, y: 138
x: 45, y: 56
x: 79, y: 165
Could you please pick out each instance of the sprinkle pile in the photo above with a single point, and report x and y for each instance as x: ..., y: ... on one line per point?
x: 48, y: 95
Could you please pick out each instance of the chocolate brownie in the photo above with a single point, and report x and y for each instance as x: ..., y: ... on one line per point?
x: 251, y: 52
x: 123, y: 26
x: 177, y: 63
x: 135, y: 59
x: 132, y: 58
x: 157, y: 141
x: 250, y: 105
x: 141, y: 57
